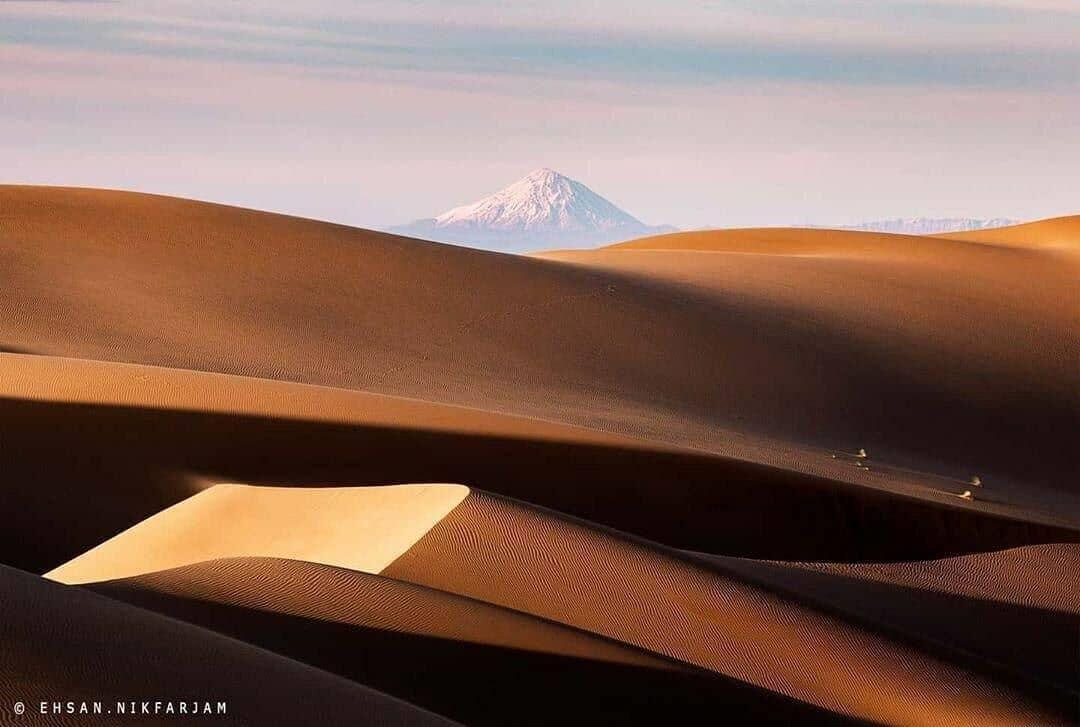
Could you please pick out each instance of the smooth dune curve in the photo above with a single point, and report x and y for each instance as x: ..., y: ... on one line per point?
x: 988, y: 324
x: 1058, y: 233
x: 413, y: 642
x: 52, y: 379
x: 360, y: 528
x: 64, y: 644
x: 1003, y: 576
x: 532, y: 560
x: 785, y: 241
x: 1014, y: 612
x: 127, y: 441
x: 113, y: 278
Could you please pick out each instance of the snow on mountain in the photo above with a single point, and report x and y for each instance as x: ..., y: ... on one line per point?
x: 930, y: 225
x: 543, y: 210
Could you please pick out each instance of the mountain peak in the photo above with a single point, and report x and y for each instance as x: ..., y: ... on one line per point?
x: 542, y: 209
x: 544, y: 173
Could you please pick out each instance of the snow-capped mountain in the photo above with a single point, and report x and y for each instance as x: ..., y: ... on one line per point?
x: 930, y: 225
x: 543, y: 210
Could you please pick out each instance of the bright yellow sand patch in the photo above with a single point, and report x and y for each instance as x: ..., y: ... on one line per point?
x: 360, y: 528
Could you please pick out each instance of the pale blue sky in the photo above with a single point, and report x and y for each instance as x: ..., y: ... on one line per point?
x: 727, y: 112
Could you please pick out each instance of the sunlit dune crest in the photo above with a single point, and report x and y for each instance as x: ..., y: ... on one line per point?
x: 362, y: 529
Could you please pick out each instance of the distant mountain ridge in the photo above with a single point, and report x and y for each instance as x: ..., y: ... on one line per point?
x: 930, y: 225
x: 542, y: 210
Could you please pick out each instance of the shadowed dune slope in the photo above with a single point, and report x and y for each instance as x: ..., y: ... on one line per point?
x: 535, y: 561
x: 127, y: 441
x: 1003, y: 576
x: 941, y: 329
x: 466, y: 659
x: 1014, y: 611
x: 1059, y: 233
x: 965, y: 384
x: 67, y: 644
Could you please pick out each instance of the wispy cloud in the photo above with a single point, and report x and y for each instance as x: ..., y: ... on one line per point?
x: 693, y: 113
x: 774, y: 51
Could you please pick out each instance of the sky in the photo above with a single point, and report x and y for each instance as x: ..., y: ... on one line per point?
x: 709, y: 113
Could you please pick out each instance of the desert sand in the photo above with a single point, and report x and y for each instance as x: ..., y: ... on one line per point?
x: 535, y: 562
x: 361, y: 528
x: 1061, y: 233
x: 217, y: 426
x: 983, y: 608
x: 67, y: 644
x: 885, y: 339
x: 164, y: 435
x: 406, y: 633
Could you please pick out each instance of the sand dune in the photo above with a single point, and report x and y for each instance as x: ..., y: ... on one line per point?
x: 1001, y: 576
x: 330, y: 593
x: 536, y: 562
x: 925, y: 373
x: 1002, y: 610
x: 786, y: 241
x: 1059, y: 233
x: 412, y: 642
x: 660, y: 513
x: 66, y: 644
x: 127, y: 441
x: 362, y: 528
x: 516, y: 556
x: 989, y: 326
